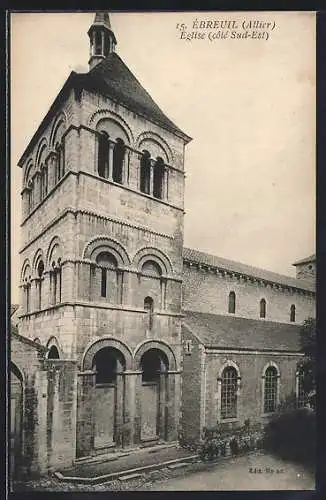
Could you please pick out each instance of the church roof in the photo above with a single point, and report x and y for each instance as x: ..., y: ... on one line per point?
x: 231, y: 332
x: 306, y: 260
x: 112, y: 78
x: 244, y: 269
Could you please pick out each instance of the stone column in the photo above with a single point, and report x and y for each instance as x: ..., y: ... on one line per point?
x: 126, y: 163
x: 37, y: 187
x: 93, y: 43
x: 120, y: 279
x: 163, y: 407
x: 102, y: 41
x: 130, y: 378
x: 52, y: 169
x: 151, y: 177
x: 134, y: 170
x: 34, y: 291
x: 171, y: 427
x: 163, y: 293
x: 85, y: 413
x: 111, y: 146
x: 120, y: 408
x: 137, y: 418
x: 46, y: 289
x: 166, y: 183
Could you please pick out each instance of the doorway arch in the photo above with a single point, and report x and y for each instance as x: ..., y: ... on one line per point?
x: 154, y: 366
x: 109, y: 365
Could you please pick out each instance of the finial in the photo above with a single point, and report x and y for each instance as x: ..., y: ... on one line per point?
x: 102, y: 39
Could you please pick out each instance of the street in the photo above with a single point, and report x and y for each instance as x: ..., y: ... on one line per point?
x: 251, y: 472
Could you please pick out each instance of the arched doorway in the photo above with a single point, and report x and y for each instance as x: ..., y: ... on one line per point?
x: 154, y: 365
x: 109, y: 365
x: 16, y: 419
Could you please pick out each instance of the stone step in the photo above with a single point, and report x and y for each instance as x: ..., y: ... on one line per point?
x: 178, y: 465
x: 129, y: 477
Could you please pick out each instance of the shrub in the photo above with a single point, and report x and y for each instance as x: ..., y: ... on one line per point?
x: 291, y: 436
x: 218, y: 442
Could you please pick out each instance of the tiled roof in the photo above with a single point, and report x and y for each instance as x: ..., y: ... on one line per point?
x: 231, y: 332
x: 112, y: 78
x: 306, y: 260
x: 237, y: 267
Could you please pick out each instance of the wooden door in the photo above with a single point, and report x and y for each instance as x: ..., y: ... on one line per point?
x: 149, y: 411
x: 105, y: 409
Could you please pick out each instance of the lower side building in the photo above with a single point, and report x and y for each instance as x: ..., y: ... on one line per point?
x: 235, y: 369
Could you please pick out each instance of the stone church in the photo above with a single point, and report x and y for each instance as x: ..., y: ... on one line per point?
x: 125, y: 337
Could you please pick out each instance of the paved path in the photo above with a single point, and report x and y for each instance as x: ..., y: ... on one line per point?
x: 251, y: 472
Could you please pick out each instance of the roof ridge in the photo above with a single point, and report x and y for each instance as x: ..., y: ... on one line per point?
x: 240, y: 318
x: 249, y: 266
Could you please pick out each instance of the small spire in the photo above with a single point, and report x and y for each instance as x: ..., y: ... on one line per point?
x: 102, y: 39
x: 103, y: 19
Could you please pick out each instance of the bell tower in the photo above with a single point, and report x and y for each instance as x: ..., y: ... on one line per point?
x: 102, y: 231
x: 102, y: 39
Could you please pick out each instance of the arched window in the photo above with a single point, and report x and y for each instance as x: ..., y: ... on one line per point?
x: 107, y: 263
x: 231, y: 303
x: 60, y: 170
x: 98, y: 43
x: 292, y: 313
x: 301, y: 393
x: 118, y: 160
x: 145, y: 172
x: 28, y: 296
x: 158, y: 178
x: 30, y: 197
x: 44, y: 181
x: 53, y: 353
x: 229, y: 388
x: 270, y: 389
x: 56, y: 282
x: 26, y: 284
x: 262, y: 311
x: 103, y: 155
x: 40, y: 271
x: 149, y: 308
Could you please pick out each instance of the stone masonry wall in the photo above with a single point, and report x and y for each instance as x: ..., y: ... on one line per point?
x: 61, y: 413
x: 251, y: 367
x: 191, y: 389
x: 206, y: 292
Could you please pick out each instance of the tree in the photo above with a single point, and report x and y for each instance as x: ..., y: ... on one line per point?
x: 308, y: 364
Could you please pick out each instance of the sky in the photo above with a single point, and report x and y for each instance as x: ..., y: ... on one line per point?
x: 248, y: 104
